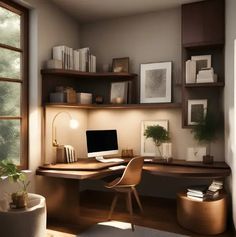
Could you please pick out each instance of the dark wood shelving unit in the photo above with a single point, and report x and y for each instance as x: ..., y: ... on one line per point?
x: 96, y: 83
x: 88, y: 82
x: 203, y: 27
x: 116, y: 106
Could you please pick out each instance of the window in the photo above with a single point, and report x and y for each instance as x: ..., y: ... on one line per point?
x: 14, y: 83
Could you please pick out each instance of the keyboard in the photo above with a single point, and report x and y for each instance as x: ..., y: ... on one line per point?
x: 109, y: 160
x: 148, y: 160
x: 117, y: 167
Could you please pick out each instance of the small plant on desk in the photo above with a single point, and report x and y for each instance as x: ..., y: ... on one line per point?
x: 205, y: 132
x: 158, y: 134
x: 9, y: 170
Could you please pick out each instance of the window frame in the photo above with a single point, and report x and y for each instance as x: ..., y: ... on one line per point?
x: 24, y: 50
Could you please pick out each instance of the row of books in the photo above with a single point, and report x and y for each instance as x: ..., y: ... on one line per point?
x: 78, y: 59
x: 204, y: 192
x: 204, y: 75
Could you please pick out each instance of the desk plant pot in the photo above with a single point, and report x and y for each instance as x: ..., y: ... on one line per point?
x: 19, y: 200
x: 9, y: 170
x: 205, y: 132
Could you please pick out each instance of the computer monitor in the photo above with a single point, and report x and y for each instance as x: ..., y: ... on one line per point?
x: 101, y: 143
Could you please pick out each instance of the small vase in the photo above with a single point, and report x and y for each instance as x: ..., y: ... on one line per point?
x: 158, y: 153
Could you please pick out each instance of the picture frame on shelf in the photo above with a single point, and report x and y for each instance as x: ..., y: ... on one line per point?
x: 202, y: 61
x: 197, y: 109
x: 195, y: 153
x: 155, y: 82
x: 148, y: 147
x: 119, y: 93
x: 120, y: 64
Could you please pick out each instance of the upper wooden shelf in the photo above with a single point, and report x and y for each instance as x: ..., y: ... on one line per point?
x: 73, y: 73
x: 115, y: 106
x: 213, y: 84
x: 215, y: 44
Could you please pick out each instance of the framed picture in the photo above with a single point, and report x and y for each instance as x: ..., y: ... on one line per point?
x: 119, y: 91
x: 195, y: 153
x: 202, y: 61
x: 120, y: 64
x: 148, y: 147
x: 155, y: 82
x: 196, y: 111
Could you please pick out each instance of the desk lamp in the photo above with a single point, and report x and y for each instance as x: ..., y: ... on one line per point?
x: 73, y: 125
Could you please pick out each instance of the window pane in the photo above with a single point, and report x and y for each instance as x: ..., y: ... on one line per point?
x: 10, y: 98
x: 9, y: 28
x: 10, y: 63
x: 10, y: 140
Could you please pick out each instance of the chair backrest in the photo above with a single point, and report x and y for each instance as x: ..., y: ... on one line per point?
x: 132, y: 173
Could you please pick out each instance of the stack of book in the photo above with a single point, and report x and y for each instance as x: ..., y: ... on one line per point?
x: 197, y: 192
x: 206, y: 75
x: 79, y: 59
x: 204, y: 192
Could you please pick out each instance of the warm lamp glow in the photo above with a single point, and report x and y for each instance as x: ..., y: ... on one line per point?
x: 73, y: 124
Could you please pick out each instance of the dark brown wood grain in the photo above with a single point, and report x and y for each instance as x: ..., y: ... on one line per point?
x: 91, y: 169
x: 203, y: 33
x: 203, y: 23
x: 115, y: 106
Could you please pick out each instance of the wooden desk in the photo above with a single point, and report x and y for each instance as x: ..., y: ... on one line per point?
x: 92, y: 169
x: 63, y: 196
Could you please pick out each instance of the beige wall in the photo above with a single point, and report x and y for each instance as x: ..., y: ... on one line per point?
x: 153, y: 37
x: 230, y: 88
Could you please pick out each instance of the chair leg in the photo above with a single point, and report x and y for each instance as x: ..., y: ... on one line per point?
x: 130, y: 208
x: 114, y: 201
x: 137, y: 198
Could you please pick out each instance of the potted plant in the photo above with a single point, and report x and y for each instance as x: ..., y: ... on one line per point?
x: 9, y: 170
x: 205, y: 132
x: 158, y: 134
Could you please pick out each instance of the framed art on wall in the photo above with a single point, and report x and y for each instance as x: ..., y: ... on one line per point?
x: 148, y: 147
x: 155, y: 82
x: 120, y: 64
x: 119, y: 92
x: 196, y: 111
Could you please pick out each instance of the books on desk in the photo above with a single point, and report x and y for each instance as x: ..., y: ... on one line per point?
x: 204, y: 192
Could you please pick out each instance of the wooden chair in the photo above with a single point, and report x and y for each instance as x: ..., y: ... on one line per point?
x: 126, y: 184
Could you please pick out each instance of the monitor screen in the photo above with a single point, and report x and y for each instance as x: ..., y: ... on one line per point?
x: 101, y: 142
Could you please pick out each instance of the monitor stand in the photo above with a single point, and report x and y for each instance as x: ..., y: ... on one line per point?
x: 99, y: 158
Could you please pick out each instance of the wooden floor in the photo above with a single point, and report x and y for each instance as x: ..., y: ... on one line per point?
x: 158, y: 213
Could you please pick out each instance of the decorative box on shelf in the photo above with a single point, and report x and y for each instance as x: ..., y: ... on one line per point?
x: 84, y: 98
